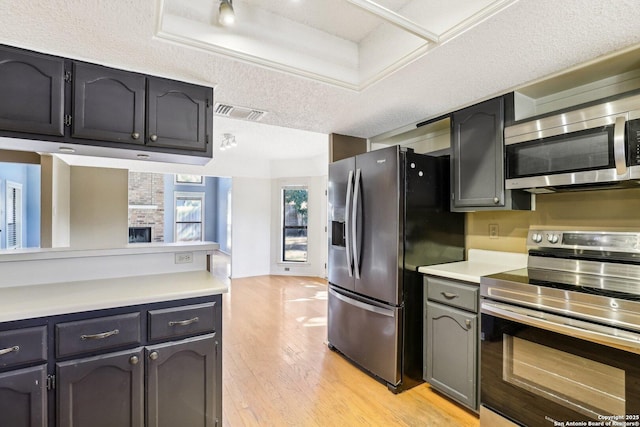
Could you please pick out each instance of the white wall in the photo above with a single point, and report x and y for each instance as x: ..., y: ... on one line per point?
x: 250, y: 229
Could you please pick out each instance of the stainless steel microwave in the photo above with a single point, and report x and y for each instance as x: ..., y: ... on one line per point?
x: 597, y: 146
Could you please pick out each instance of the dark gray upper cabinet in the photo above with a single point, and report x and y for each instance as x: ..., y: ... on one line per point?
x: 23, y: 399
x: 48, y: 98
x: 177, y: 114
x: 32, y: 92
x: 477, y: 160
x: 478, y: 155
x: 108, y: 104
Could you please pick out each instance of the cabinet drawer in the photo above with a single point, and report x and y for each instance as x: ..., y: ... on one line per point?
x: 452, y: 293
x: 21, y: 346
x: 181, y: 321
x: 97, y: 334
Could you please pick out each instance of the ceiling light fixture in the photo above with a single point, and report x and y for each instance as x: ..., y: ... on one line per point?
x: 228, y: 141
x: 226, y: 16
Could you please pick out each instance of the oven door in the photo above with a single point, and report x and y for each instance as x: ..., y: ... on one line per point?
x: 539, y: 369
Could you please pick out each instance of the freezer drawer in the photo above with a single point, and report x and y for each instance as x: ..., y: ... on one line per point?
x: 367, y: 332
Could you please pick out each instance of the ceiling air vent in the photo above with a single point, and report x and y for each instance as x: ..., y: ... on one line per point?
x: 242, y: 113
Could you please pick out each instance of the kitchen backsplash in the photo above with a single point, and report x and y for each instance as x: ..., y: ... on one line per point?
x: 593, y: 210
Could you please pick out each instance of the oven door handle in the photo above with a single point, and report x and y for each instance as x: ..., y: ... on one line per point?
x: 599, y: 334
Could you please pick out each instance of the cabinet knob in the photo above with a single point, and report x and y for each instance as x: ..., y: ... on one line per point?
x: 134, y: 360
x: 153, y: 138
x: 135, y: 135
x: 496, y: 200
x: 468, y: 323
x: 153, y: 355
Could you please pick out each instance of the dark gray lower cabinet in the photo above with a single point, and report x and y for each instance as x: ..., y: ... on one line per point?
x: 23, y: 397
x: 101, y: 391
x: 157, y: 365
x: 451, y: 338
x: 182, y: 385
x: 452, y: 352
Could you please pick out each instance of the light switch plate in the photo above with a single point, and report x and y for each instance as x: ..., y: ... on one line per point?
x: 493, y: 231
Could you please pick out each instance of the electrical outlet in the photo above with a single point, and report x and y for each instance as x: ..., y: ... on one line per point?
x: 493, y: 231
x: 184, y: 257
x: 287, y: 269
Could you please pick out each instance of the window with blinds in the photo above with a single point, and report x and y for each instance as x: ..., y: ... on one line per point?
x: 189, y: 217
x: 14, y: 215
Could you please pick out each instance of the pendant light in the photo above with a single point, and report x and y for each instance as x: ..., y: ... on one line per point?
x: 226, y: 16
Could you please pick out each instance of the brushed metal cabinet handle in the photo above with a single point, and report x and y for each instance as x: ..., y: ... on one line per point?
x: 153, y: 138
x: 184, y: 322
x: 153, y: 355
x: 135, y: 135
x: 14, y: 349
x: 449, y: 295
x: 100, y: 336
x: 134, y: 360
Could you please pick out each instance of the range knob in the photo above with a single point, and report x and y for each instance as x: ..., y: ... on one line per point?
x: 536, y: 237
x: 552, y: 238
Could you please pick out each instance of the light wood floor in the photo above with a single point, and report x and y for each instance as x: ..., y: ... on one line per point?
x: 278, y: 371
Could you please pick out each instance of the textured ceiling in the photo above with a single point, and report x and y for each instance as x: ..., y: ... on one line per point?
x: 528, y: 40
x: 332, y: 41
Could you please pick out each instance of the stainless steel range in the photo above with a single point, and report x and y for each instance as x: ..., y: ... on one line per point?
x: 560, y: 340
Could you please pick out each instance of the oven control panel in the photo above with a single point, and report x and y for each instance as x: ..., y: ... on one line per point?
x: 596, y: 240
x: 552, y: 238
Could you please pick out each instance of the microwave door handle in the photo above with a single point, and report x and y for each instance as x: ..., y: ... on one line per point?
x: 619, y: 151
x: 354, y: 225
x: 347, y: 223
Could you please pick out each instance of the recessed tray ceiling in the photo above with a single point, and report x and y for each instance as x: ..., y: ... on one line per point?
x: 333, y: 41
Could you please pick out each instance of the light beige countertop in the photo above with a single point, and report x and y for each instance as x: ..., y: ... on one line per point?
x: 480, y: 263
x: 26, y: 302
x: 33, y: 254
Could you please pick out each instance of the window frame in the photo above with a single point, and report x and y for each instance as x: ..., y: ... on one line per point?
x: 179, y: 179
x: 180, y: 195
x: 284, y: 227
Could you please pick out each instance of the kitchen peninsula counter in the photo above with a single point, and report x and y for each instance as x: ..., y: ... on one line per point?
x: 46, y: 282
x: 84, y: 331
x: 27, y: 302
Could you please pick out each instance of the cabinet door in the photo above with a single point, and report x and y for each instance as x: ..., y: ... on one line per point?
x: 178, y: 115
x: 31, y: 92
x: 23, y: 397
x: 452, y: 352
x: 101, y: 391
x: 108, y: 104
x: 184, y: 383
x: 478, y: 155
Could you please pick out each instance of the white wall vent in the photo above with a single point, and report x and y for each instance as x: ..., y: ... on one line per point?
x: 242, y: 113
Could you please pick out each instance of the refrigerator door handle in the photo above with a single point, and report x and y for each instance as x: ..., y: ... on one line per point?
x: 347, y: 224
x: 372, y: 308
x: 354, y: 225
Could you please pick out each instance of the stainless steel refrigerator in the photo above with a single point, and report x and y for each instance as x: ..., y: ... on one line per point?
x: 388, y: 215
